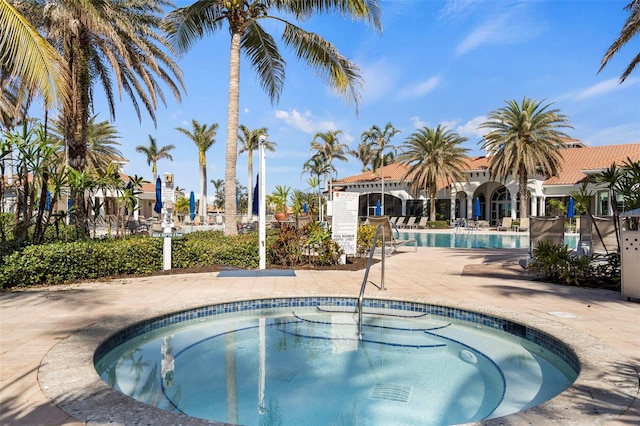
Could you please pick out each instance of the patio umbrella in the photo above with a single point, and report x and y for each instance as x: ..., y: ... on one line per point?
x: 255, y: 208
x: 192, y: 205
x: 158, y: 206
x: 305, y: 208
x: 570, y: 210
x: 378, y: 208
x: 47, y: 202
x: 476, y: 210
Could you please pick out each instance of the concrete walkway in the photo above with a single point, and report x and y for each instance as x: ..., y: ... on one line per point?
x: 33, y: 321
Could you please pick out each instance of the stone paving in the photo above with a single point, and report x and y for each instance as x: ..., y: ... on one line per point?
x: 603, y: 328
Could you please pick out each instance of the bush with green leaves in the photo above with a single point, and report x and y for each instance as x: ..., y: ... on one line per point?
x: 557, y: 263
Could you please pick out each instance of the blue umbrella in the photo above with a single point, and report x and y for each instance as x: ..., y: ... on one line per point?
x: 304, y: 208
x: 378, y: 208
x: 192, y: 205
x: 126, y: 208
x: 158, y: 206
x: 476, y: 211
x: 255, y: 208
x: 571, y: 209
x: 47, y: 202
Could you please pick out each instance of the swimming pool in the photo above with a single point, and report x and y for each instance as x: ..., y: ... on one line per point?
x: 299, y: 361
x: 465, y: 239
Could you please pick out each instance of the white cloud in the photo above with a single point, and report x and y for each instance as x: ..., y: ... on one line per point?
x: 418, y: 123
x: 456, y: 9
x: 379, y: 80
x: 603, y: 88
x: 420, y: 89
x: 470, y: 128
x: 507, y: 24
x: 304, y: 121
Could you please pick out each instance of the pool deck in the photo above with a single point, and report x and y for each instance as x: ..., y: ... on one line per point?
x: 602, y: 326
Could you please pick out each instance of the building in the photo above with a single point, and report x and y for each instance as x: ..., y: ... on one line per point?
x: 497, y: 198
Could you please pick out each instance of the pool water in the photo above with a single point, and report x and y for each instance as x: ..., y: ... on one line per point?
x: 465, y: 239
x: 309, y: 367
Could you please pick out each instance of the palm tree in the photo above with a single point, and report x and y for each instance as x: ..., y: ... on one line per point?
x: 27, y: 56
x: 187, y: 24
x: 250, y: 141
x: 524, y: 139
x: 317, y: 166
x: 379, y: 140
x: 629, y: 31
x: 102, y: 142
x: 328, y: 148
x: 154, y: 154
x: 111, y: 44
x: 364, y: 154
x: 218, y: 185
x: 204, y: 137
x: 433, y: 156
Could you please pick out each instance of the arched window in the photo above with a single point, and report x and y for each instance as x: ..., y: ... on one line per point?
x: 500, y: 205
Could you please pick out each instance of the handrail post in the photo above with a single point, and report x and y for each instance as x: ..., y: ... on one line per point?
x: 366, y: 276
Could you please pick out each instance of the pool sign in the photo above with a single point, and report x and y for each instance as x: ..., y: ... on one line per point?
x: 345, y: 221
x: 167, y: 234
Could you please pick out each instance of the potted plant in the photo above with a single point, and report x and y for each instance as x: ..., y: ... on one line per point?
x: 279, y: 198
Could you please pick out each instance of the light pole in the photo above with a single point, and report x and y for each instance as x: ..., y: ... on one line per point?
x: 382, y: 176
x: 262, y: 210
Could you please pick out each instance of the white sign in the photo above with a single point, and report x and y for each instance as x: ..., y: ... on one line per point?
x: 345, y: 221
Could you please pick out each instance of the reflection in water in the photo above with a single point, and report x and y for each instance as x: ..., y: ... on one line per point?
x: 167, y: 364
x: 232, y: 385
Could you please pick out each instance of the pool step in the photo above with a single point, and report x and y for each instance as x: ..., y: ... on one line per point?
x: 372, y: 311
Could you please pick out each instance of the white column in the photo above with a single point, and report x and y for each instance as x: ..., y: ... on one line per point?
x: 514, y: 204
x: 534, y: 206
x: 452, y: 207
x: 262, y: 206
x: 543, y: 206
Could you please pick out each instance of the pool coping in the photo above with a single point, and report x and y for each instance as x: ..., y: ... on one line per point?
x: 606, y: 386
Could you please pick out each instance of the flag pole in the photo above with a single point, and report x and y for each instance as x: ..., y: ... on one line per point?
x: 262, y: 210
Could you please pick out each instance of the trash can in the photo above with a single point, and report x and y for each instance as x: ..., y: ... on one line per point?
x: 630, y: 254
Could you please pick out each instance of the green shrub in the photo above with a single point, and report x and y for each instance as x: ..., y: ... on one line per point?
x: 365, y: 239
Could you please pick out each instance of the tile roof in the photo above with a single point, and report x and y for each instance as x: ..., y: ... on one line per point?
x: 575, y: 161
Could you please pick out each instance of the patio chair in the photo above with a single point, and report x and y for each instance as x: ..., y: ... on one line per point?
x: 543, y: 228
x: 606, y: 242
x: 302, y: 221
x: 423, y: 222
x: 505, y: 225
x: 524, y: 224
x: 411, y: 222
x: 389, y: 237
x: 393, y: 220
x: 400, y: 221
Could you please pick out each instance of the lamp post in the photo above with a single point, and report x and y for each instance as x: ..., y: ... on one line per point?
x: 262, y: 210
x: 382, y: 176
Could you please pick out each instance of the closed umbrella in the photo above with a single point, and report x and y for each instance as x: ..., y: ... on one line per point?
x: 192, y: 205
x: 47, y: 202
x: 378, y: 208
x: 571, y: 210
x: 476, y: 210
x: 255, y: 208
x: 305, y: 208
x: 158, y: 206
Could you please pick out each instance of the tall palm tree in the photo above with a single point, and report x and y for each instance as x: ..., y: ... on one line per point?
x: 329, y: 148
x: 524, y: 139
x: 317, y: 166
x: 364, y: 154
x: 102, y: 143
x: 204, y: 137
x: 154, y: 154
x: 26, y: 55
x: 379, y: 140
x: 630, y: 30
x: 249, y: 142
x: 187, y: 24
x: 218, y: 186
x: 433, y: 156
x: 110, y: 43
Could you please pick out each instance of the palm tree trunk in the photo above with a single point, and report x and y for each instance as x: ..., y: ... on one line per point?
x: 433, y: 192
x: 232, y: 136
x: 524, y: 195
x: 202, y: 207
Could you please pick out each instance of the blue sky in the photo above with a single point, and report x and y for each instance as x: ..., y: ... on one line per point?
x: 435, y: 62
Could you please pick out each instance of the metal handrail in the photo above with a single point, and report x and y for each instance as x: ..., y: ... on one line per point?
x: 366, y: 276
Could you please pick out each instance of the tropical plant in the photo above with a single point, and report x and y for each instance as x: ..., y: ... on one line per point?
x: 249, y: 142
x: 433, y: 156
x: 218, y: 186
x: 28, y: 61
x: 155, y: 154
x: 204, y: 137
x: 524, y: 139
x: 379, y: 140
x: 630, y: 30
x: 187, y: 24
x: 328, y: 148
x: 279, y: 198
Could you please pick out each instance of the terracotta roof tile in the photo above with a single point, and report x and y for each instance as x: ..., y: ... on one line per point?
x: 575, y: 161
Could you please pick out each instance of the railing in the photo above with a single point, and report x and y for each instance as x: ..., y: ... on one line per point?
x: 366, y: 276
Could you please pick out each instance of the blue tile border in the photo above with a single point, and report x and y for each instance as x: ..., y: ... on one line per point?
x: 538, y: 337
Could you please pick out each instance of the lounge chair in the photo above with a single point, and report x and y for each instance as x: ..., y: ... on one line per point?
x: 423, y: 222
x: 389, y: 237
x: 606, y: 241
x: 505, y: 225
x: 411, y: 222
x: 302, y: 221
x: 524, y: 224
x: 543, y: 228
x: 393, y: 220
